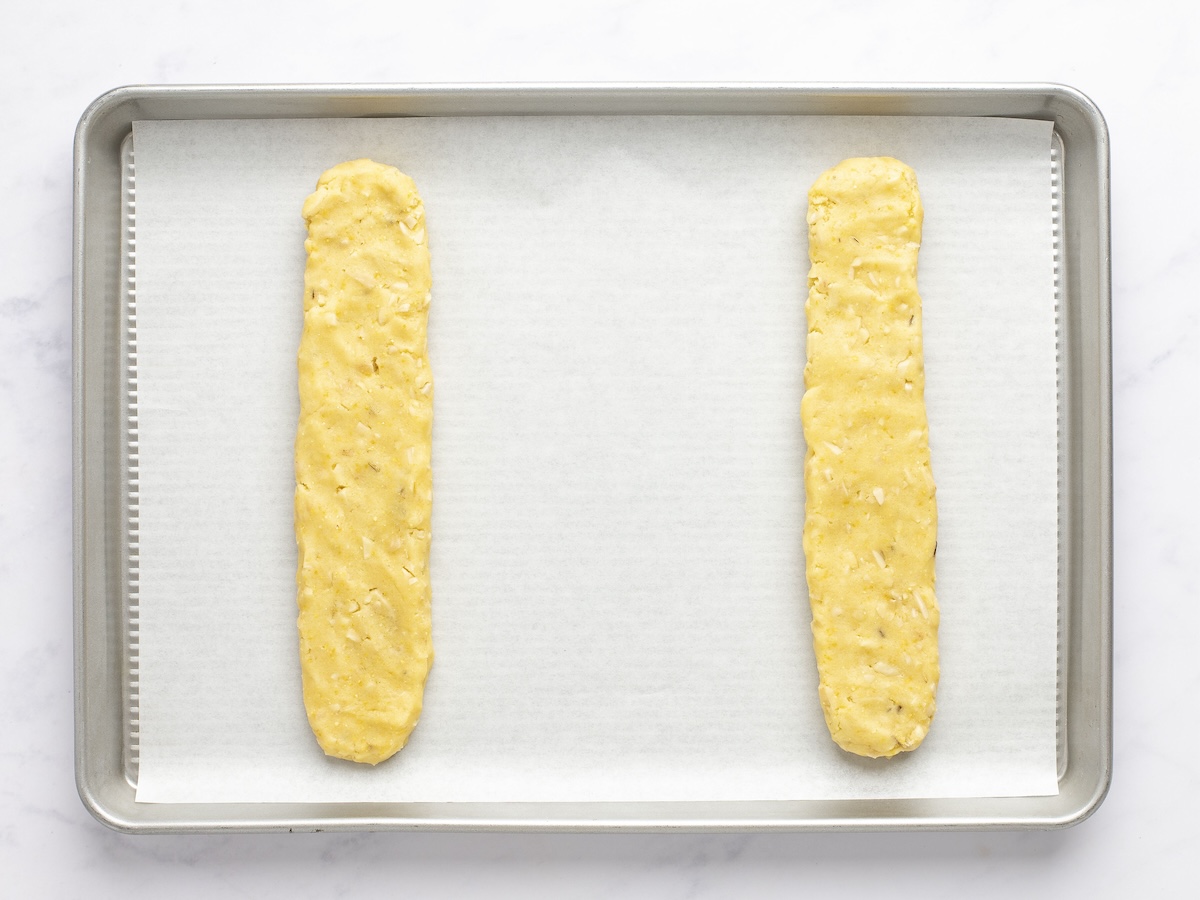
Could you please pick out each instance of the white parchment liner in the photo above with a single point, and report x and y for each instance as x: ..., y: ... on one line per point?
x: 617, y: 337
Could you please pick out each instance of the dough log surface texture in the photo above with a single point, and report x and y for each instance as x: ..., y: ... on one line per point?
x: 364, y: 485
x: 870, y: 529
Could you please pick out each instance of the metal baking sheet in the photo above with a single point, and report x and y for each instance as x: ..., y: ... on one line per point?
x: 106, y: 626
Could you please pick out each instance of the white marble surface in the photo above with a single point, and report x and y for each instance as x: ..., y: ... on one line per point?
x: 1137, y: 62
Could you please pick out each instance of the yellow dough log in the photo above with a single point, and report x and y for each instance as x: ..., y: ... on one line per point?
x: 870, y: 526
x: 363, y: 479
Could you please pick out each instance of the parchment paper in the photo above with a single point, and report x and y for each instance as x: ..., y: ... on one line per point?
x: 617, y: 338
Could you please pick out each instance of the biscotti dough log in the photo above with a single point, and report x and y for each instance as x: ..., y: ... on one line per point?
x: 870, y: 527
x: 363, y: 479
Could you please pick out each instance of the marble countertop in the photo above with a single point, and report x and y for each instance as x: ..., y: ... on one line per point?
x: 1137, y: 63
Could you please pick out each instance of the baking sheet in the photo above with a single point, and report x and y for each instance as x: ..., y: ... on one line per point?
x: 617, y: 336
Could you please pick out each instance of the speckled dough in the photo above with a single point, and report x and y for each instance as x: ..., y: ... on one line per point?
x: 363, y: 478
x: 870, y: 525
